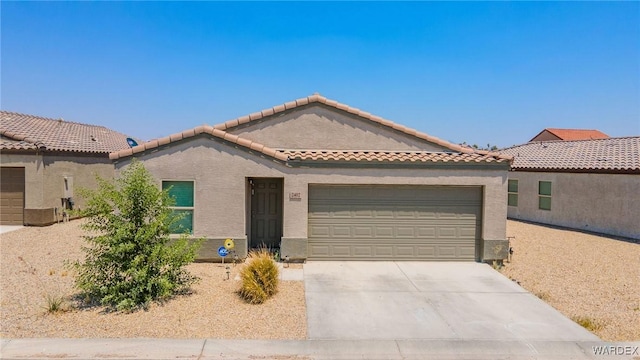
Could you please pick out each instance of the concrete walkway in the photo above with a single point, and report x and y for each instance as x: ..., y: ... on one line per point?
x: 158, y: 349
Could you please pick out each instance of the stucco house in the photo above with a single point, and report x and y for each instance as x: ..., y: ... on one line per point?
x: 553, y: 134
x: 322, y: 180
x: 43, y: 160
x: 591, y: 185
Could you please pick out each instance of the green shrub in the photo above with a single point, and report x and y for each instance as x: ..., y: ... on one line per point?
x: 259, y: 277
x: 131, y: 260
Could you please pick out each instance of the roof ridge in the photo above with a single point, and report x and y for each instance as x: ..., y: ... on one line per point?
x: 572, y: 129
x: 317, y: 98
x: 52, y: 119
x: 219, y: 130
x: 198, y: 130
x: 570, y: 141
x: 60, y: 135
x: 285, y: 155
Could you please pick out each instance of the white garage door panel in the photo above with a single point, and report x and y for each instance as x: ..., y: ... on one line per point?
x: 394, y: 222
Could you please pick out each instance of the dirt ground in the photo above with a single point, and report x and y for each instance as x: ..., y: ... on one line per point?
x: 591, y: 278
x: 584, y: 276
x: 32, y: 269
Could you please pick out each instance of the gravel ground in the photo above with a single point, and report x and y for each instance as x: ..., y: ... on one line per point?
x: 581, y: 275
x: 32, y: 269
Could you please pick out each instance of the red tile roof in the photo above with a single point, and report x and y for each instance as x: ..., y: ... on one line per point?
x: 574, y: 134
x: 27, y: 132
x: 601, y: 155
x: 458, y: 153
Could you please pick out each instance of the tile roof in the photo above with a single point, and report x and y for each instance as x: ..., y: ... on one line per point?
x: 378, y: 156
x: 204, y: 129
x: 288, y: 156
x: 319, y: 99
x: 601, y: 155
x: 10, y: 144
x: 20, y: 130
x: 574, y: 134
x: 458, y: 154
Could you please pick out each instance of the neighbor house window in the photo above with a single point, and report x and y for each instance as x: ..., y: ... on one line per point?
x: 544, y: 195
x: 182, y: 194
x: 513, y: 193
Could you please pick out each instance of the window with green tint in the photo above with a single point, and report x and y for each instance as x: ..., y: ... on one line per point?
x: 544, y: 195
x: 544, y: 188
x: 512, y: 199
x: 185, y: 224
x: 182, y: 192
x: 544, y: 203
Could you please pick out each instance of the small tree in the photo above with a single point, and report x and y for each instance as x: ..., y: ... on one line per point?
x: 131, y: 260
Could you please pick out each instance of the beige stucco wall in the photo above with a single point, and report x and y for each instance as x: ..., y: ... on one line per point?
x: 82, y: 171
x: 33, y: 173
x: 220, y: 174
x: 316, y: 127
x: 44, y: 179
x: 605, y: 203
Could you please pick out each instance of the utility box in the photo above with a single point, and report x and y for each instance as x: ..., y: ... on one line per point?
x: 67, y: 190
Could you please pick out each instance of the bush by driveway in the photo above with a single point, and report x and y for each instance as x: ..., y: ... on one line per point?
x: 32, y: 269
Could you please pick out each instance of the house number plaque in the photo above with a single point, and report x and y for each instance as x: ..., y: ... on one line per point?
x: 295, y: 196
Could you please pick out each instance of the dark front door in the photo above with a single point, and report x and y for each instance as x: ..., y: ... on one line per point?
x: 266, y: 212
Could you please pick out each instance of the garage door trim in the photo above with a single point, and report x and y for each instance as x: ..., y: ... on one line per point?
x: 394, y: 222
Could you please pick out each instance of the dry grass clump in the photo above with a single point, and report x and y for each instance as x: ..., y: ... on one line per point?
x: 587, y: 323
x: 55, y: 303
x: 259, y: 277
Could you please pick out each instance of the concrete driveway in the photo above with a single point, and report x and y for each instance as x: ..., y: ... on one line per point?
x: 427, y: 300
x: 9, y: 228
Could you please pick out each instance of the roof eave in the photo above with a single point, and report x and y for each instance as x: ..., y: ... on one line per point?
x: 229, y: 139
x: 448, y: 165
x: 577, y: 170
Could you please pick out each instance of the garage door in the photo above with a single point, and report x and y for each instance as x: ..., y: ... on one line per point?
x: 11, y: 196
x: 351, y: 222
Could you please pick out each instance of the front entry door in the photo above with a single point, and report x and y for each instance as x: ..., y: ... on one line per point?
x: 266, y: 212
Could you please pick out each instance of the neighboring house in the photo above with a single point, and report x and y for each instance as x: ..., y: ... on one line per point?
x: 324, y: 181
x: 42, y: 162
x: 550, y: 134
x: 589, y: 185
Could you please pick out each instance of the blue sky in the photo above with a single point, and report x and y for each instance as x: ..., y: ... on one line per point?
x: 495, y: 72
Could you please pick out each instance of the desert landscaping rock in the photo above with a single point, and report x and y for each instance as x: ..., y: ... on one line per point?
x: 581, y: 275
x: 32, y: 268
